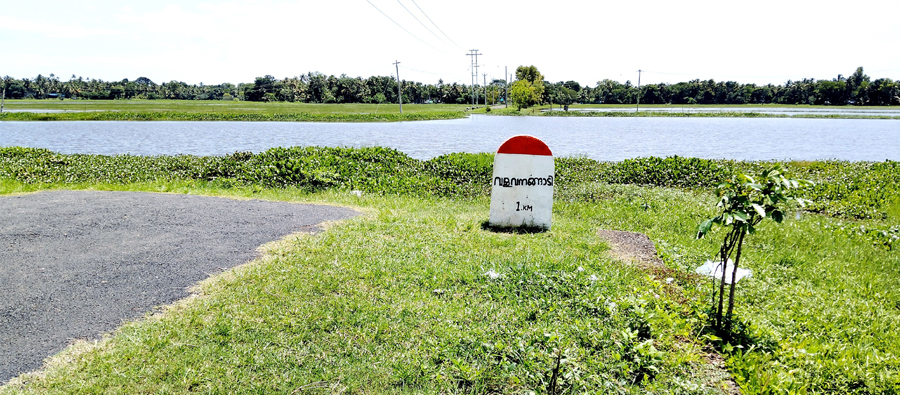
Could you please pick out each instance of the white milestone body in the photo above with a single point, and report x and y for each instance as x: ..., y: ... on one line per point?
x: 522, y: 189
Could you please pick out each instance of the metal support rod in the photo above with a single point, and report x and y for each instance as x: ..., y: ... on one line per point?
x: 506, y: 88
x: 485, y: 88
x: 639, y: 93
x: 399, y: 86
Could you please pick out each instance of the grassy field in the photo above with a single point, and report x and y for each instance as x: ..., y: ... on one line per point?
x: 694, y: 111
x: 186, y: 110
x: 397, y: 301
x: 765, y: 106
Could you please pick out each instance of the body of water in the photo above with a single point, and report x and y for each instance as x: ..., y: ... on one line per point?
x: 598, y: 138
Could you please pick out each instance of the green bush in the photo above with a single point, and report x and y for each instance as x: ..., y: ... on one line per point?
x: 372, y: 169
x: 852, y: 189
x: 856, y: 190
x: 674, y: 171
x: 461, y: 174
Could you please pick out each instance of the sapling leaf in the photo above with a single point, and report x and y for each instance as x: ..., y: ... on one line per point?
x: 778, y: 216
x: 704, y: 227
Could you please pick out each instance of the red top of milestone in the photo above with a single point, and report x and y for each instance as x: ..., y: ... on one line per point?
x: 524, y: 145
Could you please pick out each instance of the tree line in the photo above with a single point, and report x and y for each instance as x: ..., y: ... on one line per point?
x: 530, y: 88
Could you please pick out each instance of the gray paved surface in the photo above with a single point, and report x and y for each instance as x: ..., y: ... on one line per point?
x: 75, y: 264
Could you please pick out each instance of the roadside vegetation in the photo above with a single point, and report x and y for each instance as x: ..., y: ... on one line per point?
x: 417, y: 296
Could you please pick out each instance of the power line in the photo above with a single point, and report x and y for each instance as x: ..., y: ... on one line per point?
x: 435, y: 25
x: 404, y: 29
x: 420, y: 22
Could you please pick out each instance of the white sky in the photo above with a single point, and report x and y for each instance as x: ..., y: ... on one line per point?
x: 759, y: 41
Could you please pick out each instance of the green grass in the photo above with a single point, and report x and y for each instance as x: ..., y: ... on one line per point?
x: 702, y: 106
x: 648, y: 111
x: 182, y: 110
x: 396, y: 301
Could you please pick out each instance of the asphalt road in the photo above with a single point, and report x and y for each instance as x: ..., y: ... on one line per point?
x: 76, y: 264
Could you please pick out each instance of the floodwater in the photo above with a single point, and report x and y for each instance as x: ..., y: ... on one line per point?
x: 599, y: 138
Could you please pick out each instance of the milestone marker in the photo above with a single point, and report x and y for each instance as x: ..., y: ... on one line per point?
x: 522, y: 186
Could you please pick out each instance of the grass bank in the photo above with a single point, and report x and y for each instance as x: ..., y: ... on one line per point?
x: 693, y: 111
x: 180, y: 110
x: 398, y: 301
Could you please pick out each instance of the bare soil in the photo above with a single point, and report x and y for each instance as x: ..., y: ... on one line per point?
x: 637, y: 249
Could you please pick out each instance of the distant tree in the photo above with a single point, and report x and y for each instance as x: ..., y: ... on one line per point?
x: 565, y: 96
x: 144, y: 81
x: 883, y: 92
x: 117, y: 91
x: 522, y: 94
x: 857, y: 86
x: 831, y: 92
x: 15, y: 89
x: 575, y: 86
x: 262, y: 85
x: 535, y: 79
x: 528, y: 73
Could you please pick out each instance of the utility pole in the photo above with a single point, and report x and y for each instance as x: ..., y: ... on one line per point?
x: 3, y: 97
x: 474, y: 57
x: 485, y: 88
x: 639, y: 93
x: 399, y: 87
x: 506, y: 91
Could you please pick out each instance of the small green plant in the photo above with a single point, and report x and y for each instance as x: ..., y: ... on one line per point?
x: 745, y: 201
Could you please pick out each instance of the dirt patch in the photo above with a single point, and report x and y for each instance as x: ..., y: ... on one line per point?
x: 637, y: 249
x: 631, y: 247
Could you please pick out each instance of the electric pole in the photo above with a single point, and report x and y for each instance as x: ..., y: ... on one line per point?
x: 474, y: 57
x: 506, y: 90
x: 485, y: 88
x: 3, y: 96
x: 639, y: 93
x: 399, y: 86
